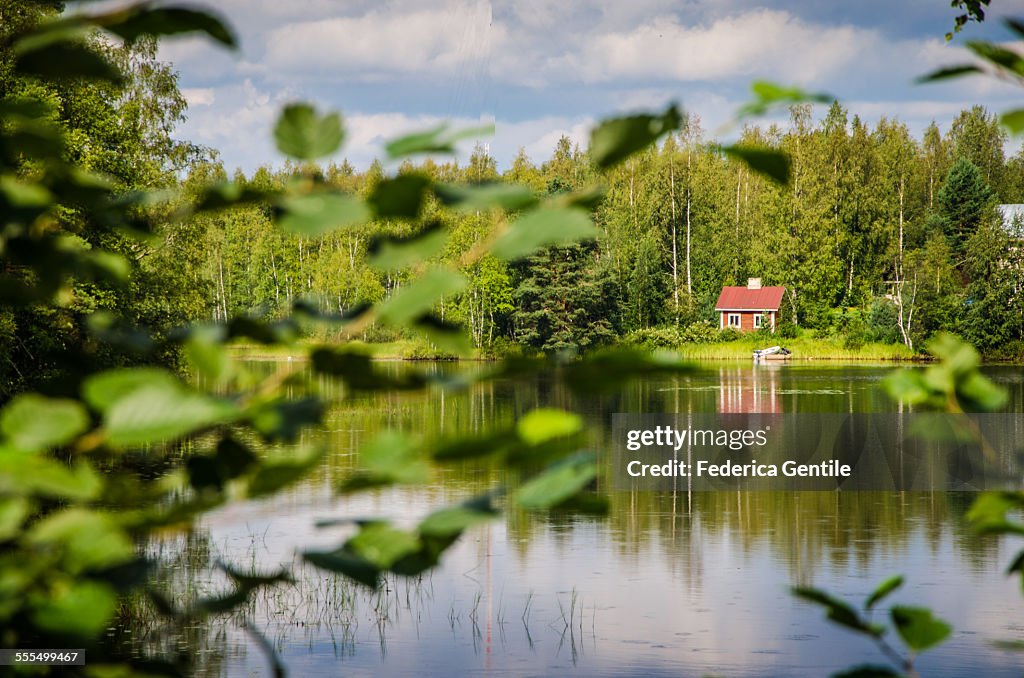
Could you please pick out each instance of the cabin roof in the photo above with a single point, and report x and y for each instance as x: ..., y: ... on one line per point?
x: 746, y: 299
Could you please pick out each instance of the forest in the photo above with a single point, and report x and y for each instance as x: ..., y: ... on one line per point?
x: 880, y: 236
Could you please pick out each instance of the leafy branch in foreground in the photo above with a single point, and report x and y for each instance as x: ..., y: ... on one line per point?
x: 107, y: 458
x: 953, y: 384
x: 917, y: 627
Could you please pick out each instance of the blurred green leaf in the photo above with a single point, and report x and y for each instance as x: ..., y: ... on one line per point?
x: 90, y: 540
x: 358, y: 371
x: 541, y: 228
x: 770, y: 162
x: 1013, y: 121
x: 22, y: 474
x: 469, y: 198
x: 452, y: 521
x: 443, y: 334
x: 948, y: 73
x: 117, y: 332
x: 390, y: 457
x: 314, y: 214
x: 393, y: 254
x: 977, y: 392
x: 13, y: 512
x: 231, y: 194
x: 769, y: 95
x: 205, y: 351
x: 382, y: 545
x: 135, y: 22
x: 101, y: 391
x: 883, y: 590
x: 420, y: 295
x: 283, y: 419
x: 436, y: 140
x: 401, y: 197
x: 998, y: 55
x: 558, y: 483
x: 616, y: 139
x: 1017, y: 565
x: 283, y: 469
x: 231, y: 459
x: 303, y: 134
x: 906, y: 386
x: 346, y: 563
x: 606, y: 370
x: 80, y: 609
x: 159, y: 410
x: 541, y: 425
x: 957, y: 355
x: 1015, y: 25
x: 988, y: 512
x: 838, y: 611
x: 64, y: 59
x: 918, y: 628
x: 469, y: 447
x: 31, y: 422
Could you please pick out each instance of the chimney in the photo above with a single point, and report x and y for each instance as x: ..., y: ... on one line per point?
x: 753, y: 283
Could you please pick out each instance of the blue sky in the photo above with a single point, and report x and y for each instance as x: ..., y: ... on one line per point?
x: 543, y: 68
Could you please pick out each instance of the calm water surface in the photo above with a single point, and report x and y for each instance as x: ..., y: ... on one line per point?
x: 668, y: 583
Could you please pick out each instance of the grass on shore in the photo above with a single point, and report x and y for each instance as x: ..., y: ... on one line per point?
x: 803, y: 348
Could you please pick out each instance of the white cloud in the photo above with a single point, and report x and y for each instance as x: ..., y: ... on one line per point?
x: 199, y: 96
x: 436, y: 40
x: 763, y: 41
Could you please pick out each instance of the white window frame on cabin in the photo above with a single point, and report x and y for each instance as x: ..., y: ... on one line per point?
x: 758, y: 321
x: 729, y: 317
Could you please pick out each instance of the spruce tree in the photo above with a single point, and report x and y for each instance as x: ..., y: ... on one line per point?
x: 964, y: 202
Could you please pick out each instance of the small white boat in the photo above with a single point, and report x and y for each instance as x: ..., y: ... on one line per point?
x: 772, y: 353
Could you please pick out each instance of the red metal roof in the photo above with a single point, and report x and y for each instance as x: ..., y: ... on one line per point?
x: 745, y: 299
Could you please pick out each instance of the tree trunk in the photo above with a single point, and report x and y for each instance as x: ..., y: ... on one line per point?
x: 675, y: 248
x: 689, y: 200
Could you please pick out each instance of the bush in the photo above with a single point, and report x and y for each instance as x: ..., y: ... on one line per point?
x: 501, y: 347
x: 729, y: 334
x: 701, y: 332
x: 655, y: 337
x: 421, y: 349
x: 883, y: 325
x: 787, y: 330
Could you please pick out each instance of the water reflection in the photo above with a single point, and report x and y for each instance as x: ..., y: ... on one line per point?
x: 669, y: 583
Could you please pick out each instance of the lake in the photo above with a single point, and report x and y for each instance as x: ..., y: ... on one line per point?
x: 668, y: 583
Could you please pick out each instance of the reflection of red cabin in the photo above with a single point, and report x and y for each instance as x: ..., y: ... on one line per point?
x: 748, y: 391
x: 749, y: 308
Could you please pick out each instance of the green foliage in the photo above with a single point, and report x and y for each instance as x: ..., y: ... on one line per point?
x: 772, y: 163
x: 542, y: 228
x: 952, y: 384
x: 613, y: 141
x: 919, y: 629
x: 226, y: 433
x: 304, y: 135
x: 964, y: 201
x: 561, y: 305
x: 729, y: 334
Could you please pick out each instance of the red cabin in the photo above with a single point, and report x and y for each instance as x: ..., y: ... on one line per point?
x: 749, y: 308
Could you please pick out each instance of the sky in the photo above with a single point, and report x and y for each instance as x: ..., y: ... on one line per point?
x: 540, y: 69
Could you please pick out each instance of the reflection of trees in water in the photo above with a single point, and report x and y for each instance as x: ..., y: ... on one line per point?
x: 803, y: 530
x: 181, y: 570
